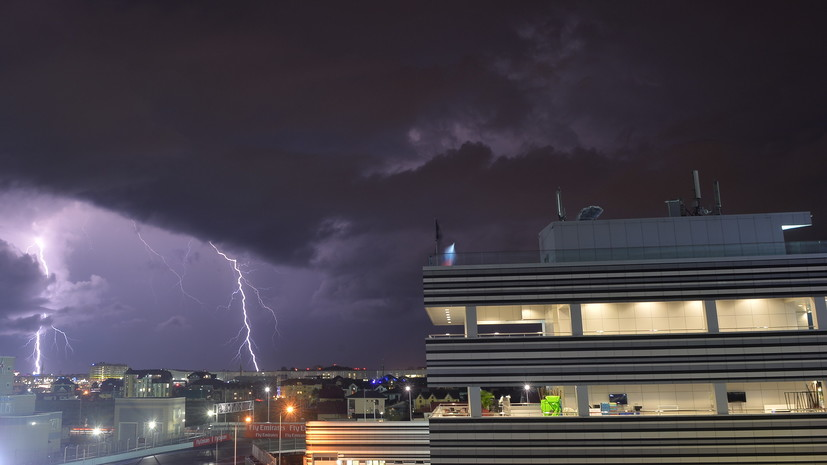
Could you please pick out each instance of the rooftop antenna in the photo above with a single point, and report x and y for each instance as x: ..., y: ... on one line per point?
x: 716, y: 189
x: 697, y: 184
x: 561, y: 212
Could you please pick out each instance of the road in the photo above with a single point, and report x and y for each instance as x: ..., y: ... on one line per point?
x: 200, y: 456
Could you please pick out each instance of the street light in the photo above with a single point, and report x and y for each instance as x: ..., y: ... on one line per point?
x: 288, y: 410
x: 97, y: 433
x: 152, y: 425
x: 410, y: 404
x: 235, y: 440
x: 267, y: 390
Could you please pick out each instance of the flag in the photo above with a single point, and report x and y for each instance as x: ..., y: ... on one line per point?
x: 438, y: 232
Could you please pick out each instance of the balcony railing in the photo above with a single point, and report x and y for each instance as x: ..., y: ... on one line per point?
x: 628, y: 253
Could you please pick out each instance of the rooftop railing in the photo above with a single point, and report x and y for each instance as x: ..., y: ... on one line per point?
x: 628, y: 253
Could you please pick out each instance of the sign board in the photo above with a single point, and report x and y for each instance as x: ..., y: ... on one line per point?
x: 271, y: 430
x: 210, y: 440
x: 233, y: 407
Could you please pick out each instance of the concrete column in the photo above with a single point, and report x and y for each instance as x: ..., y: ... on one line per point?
x: 470, y: 321
x: 711, y: 312
x: 548, y: 322
x: 582, y: 400
x: 474, y: 402
x: 721, y: 404
x: 820, y: 313
x: 576, y: 319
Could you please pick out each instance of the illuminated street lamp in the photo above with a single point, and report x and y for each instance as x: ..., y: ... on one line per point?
x: 267, y: 390
x: 410, y: 404
x: 235, y: 439
x: 288, y: 411
x: 97, y: 433
x: 152, y: 424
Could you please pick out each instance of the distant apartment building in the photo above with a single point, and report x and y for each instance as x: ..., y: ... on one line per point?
x: 147, y: 383
x: 366, y: 404
x: 100, y: 371
x: 427, y: 399
x: 304, y: 392
x: 327, y: 373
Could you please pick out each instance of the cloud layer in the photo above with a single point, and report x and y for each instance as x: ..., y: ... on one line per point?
x: 323, y: 139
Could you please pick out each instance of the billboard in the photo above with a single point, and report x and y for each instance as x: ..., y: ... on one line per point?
x: 271, y: 430
x: 210, y: 440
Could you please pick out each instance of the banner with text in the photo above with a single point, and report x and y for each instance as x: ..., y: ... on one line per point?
x: 271, y: 430
x: 210, y: 440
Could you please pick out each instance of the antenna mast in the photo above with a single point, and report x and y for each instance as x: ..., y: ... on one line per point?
x: 561, y: 212
x: 697, y: 184
x: 716, y: 189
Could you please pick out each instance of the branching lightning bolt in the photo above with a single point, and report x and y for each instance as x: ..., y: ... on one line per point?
x: 37, y: 353
x: 66, y: 346
x: 245, y: 331
x: 164, y: 261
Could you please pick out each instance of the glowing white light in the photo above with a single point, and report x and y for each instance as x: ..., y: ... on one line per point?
x: 37, y: 353
x: 39, y: 242
x: 785, y: 227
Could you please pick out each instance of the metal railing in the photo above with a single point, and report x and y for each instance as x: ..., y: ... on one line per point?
x: 628, y: 253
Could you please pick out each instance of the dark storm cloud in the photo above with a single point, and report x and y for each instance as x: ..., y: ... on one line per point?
x: 330, y: 135
x: 21, y: 285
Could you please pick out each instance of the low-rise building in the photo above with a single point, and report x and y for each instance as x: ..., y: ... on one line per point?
x: 26, y: 437
x: 147, y: 383
x: 147, y: 421
x: 366, y: 404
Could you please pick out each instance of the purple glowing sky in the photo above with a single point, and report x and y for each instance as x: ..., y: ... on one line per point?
x: 317, y: 142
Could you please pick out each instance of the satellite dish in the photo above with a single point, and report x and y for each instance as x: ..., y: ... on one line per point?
x: 590, y: 213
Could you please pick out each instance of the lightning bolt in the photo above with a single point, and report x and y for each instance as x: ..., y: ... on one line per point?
x: 66, y: 347
x: 164, y: 261
x: 245, y: 330
x: 37, y: 352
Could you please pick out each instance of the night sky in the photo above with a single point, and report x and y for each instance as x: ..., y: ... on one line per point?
x: 316, y: 142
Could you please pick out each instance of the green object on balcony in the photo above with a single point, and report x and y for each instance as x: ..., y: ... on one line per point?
x: 550, y: 406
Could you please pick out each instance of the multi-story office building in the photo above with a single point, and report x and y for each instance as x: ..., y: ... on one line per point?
x: 686, y: 339
x: 101, y: 371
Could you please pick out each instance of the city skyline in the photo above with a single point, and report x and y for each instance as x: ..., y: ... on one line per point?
x: 316, y: 144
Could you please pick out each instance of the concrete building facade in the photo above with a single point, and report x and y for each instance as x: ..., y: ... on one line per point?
x: 26, y: 437
x: 669, y: 340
